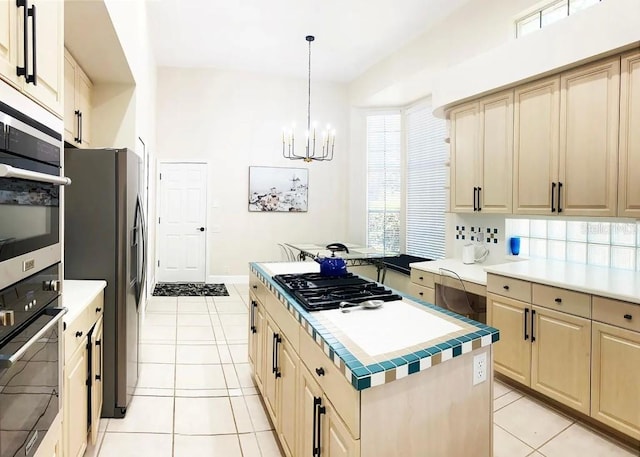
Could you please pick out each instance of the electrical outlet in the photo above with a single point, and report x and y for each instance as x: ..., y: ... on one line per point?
x: 479, y: 368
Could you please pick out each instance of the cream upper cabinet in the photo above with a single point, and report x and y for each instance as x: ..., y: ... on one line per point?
x: 615, y: 388
x: 77, y: 104
x: 628, y: 182
x: 536, y: 147
x: 589, y: 111
x: 496, y: 154
x: 49, y: 53
x: 481, y: 155
x: 465, y: 144
x: 43, y: 79
x: 561, y: 374
x: 8, y: 41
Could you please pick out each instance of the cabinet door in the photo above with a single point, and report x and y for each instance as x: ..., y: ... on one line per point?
x: 336, y: 439
x: 615, y: 395
x: 465, y: 145
x: 70, y: 105
x: 589, y: 113
x: 512, y: 354
x: 83, y: 87
x: 8, y: 41
x: 427, y: 294
x: 96, y: 372
x: 561, y: 357
x: 261, y: 350
x: 628, y: 183
x: 308, y: 393
x: 49, y: 54
x: 253, y: 332
x: 287, y: 397
x: 270, y: 379
x: 496, y: 129
x: 536, y: 143
x: 75, y: 409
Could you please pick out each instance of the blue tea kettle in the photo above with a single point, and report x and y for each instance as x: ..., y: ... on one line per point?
x: 333, y: 266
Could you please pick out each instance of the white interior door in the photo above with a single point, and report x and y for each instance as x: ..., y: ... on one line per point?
x: 182, y: 222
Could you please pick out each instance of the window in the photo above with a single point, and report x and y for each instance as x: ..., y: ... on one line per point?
x: 383, y: 182
x: 426, y: 180
x: 550, y: 13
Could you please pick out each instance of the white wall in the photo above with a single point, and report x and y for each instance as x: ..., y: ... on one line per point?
x: 233, y: 120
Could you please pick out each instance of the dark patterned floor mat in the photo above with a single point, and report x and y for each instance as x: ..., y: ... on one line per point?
x: 164, y: 289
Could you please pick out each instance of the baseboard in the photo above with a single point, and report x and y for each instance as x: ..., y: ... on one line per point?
x: 228, y: 279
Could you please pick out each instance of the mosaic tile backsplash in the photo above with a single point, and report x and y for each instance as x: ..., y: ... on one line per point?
x: 477, y: 233
x: 608, y: 244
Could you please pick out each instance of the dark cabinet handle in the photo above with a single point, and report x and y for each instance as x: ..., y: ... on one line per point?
x: 421, y: 293
x: 558, y: 300
x: 628, y: 317
x: 79, y: 334
x: 33, y: 77
x: 98, y: 309
x: 559, y: 197
x: 77, y: 114
x: 526, y: 318
x: 274, y: 357
x: 533, y: 320
x: 98, y: 343
x: 254, y: 305
x: 318, y: 410
x: 201, y: 229
x: 254, y: 286
x: 320, y: 371
x: 553, y: 196
x: 98, y: 377
x: 22, y: 71
x: 479, y: 207
x: 420, y: 278
x: 505, y: 287
x: 80, y: 129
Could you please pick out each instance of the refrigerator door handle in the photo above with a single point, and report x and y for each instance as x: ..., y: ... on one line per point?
x: 140, y: 230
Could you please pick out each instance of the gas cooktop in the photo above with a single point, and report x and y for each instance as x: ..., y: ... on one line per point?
x: 316, y: 292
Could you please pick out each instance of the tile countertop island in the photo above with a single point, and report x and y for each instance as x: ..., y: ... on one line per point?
x: 406, y: 354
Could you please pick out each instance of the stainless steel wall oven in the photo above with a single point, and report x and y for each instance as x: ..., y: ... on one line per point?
x: 30, y: 357
x: 30, y: 180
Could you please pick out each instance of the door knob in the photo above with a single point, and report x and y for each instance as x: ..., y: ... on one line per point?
x: 201, y: 229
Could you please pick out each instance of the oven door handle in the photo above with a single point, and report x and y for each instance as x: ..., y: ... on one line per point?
x: 7, y: 171
x: 9, y: 361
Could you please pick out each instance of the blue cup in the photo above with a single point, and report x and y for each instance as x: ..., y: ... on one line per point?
x: 514, y: 245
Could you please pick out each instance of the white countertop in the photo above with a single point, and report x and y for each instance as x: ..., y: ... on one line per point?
x: 472, y: 273
x: 606, y: 282
x: 76, y: 295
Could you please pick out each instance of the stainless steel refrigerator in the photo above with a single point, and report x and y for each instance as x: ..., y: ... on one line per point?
x: 105, y: 238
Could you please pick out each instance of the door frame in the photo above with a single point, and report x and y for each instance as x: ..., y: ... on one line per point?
x: 159, y: 164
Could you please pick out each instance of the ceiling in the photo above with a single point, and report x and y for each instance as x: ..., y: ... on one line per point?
x: 269, y: 35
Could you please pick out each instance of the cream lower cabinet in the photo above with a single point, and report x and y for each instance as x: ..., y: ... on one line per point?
x: 82, y: 371
x: 423, y: 285
x: 256, y: 340
x: 546, y: 350
x: 76, y: 407
x: 321, y: 431
x: 615, y: 365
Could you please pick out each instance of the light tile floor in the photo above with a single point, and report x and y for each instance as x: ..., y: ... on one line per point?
x: 195, y: 395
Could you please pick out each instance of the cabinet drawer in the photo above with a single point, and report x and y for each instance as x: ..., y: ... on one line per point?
x: 258, y: 289
x: 509, y: 287
x: 78, y: 328
x: 338, y: 390
x: 618, y: 313
x: 422, y: 277
x: 427, y: 294
x: 566, y: 301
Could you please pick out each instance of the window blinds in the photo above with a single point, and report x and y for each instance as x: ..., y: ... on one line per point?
x: 383, y: 182
x: 426, y: 180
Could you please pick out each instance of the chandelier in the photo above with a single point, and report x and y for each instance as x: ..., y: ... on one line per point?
x: 327, y: 138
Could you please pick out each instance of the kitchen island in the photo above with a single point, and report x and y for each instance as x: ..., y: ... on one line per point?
x: 398, y: 380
